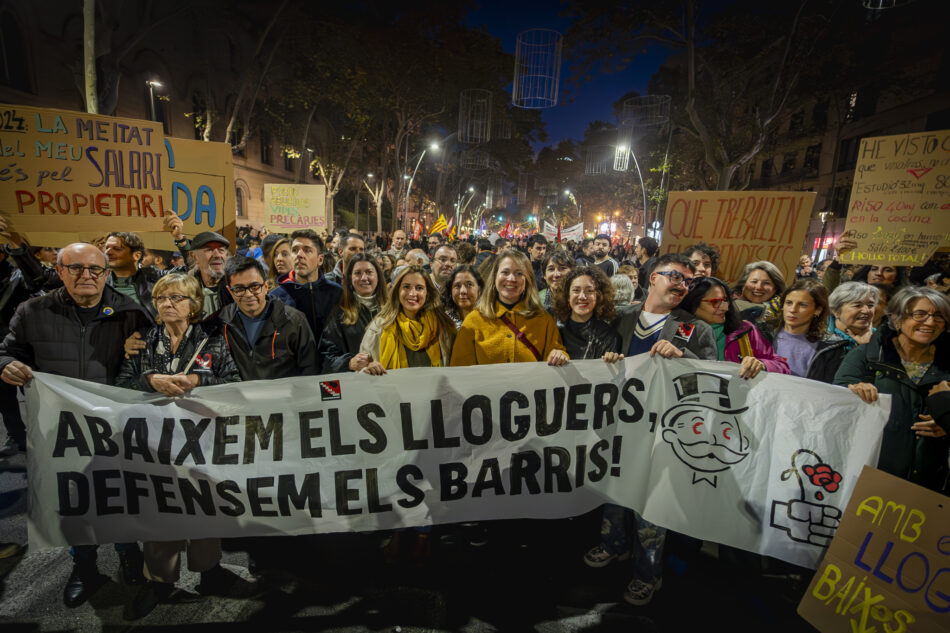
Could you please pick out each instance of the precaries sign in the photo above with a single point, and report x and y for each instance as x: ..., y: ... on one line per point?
x: 899, y: 211
x: 289, y: 207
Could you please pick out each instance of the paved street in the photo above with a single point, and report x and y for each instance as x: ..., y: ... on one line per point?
x: 530, y: 576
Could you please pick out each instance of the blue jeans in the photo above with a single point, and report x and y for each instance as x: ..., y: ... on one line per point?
x: 88, y: 553
x: 624, y: 530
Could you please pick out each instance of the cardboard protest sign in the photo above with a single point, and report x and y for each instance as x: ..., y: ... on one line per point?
x: 73, y: 176
x: 290, y: 207
x: 888, y: 567
x: 745, y: 226
x: 899, y: 212
x: 687, y: 443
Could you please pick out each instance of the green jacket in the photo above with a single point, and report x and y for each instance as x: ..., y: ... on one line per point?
x: 920, y: 460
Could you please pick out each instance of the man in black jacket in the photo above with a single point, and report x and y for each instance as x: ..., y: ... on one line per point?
x: 266, y: 338
x: 305, y: 288
x: 78, y: 331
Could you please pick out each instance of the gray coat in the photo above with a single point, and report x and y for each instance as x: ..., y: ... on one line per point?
x: 701, y: 344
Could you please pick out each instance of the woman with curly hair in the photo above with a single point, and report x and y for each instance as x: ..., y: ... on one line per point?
x: 460, y: 292
x: 584, y: 308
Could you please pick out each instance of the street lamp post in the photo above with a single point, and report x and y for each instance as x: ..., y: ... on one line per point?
x: 433, y: 147
x: 152, y: 85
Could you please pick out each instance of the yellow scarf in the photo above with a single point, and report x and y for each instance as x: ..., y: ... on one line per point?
x: 416, y: 335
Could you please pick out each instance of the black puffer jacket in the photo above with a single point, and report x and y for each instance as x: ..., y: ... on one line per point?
x: 47, y: 335
x: 340, y: 342
x: 213, y: 364
x: 592, y: 339
x: 284, y: 346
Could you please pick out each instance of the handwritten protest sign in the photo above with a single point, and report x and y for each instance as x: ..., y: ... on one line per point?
x: 687, y: 443
x: 74, y: 176
x: 201, y: 190
x: 888, y: 567
x: 899, y: 212
x: 291, y: 207
x: 745, y: 226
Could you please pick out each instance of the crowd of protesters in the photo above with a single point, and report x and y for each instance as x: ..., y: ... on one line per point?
x: 304, y: 304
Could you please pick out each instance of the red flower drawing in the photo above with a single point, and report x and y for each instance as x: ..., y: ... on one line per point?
x: 823, y: 475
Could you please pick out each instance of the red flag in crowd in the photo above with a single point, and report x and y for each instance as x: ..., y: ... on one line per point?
x: 417, y: 231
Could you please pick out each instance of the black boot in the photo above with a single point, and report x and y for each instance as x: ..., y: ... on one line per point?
x: 149, y: 597
x: 219, y: 581
x: 131, y: 563
x: 83, y: 582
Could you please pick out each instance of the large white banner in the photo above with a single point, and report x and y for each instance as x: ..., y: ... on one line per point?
x: 765, y: 465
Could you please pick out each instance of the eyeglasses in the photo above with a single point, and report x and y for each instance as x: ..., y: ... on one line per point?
x: 76, y: 270
x: 173, y: 298
x: 921, y: 316
x: 715, y: 303
x: 240, y: 291
x: 676, y: 278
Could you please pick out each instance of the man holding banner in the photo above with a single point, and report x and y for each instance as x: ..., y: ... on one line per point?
x: 658, y: 327
x: 77, y: 331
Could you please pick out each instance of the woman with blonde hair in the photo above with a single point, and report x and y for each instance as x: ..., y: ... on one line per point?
x: 509, y: 323
x: 412, y: 329
x: 180, y: 353
x: 280, y: 262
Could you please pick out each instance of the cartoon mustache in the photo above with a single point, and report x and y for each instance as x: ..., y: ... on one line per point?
x: 702, y: 450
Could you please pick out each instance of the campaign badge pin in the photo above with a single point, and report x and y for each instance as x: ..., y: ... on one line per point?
x: 203, y: 361
x: 685, y: 331
x: 330, y: 390
x: 108, y: 311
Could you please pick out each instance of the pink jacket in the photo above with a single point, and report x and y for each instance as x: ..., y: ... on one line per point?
x: 761, y: 349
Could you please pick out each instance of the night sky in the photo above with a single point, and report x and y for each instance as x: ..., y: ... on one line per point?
x: 592, y: 100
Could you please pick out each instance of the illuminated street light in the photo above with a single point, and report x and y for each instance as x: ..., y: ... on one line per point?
x: 152, y: 85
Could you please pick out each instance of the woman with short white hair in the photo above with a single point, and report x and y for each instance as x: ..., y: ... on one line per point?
x: 852, y: 308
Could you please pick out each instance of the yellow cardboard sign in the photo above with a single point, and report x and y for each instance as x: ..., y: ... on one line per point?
x: 288, y: 207
x: 73, y: 176
x: 888, y: 567
x: 899, y: 212
x: 745, y: 226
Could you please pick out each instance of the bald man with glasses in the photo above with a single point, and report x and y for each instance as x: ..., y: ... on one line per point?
x: 78, y: 331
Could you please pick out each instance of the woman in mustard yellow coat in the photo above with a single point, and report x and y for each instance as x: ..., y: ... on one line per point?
x: 509, y: 323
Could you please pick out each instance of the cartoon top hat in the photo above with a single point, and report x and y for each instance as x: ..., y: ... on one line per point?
x: 706, y: 389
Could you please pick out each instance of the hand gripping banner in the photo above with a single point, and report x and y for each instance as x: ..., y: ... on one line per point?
x: 765, y: 465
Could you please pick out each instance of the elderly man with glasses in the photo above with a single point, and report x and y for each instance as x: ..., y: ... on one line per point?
x: 76, y: 330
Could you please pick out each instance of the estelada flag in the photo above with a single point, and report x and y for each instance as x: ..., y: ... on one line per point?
x: 452, y: 233
x: 417, y: 230
x: 440, y: 225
